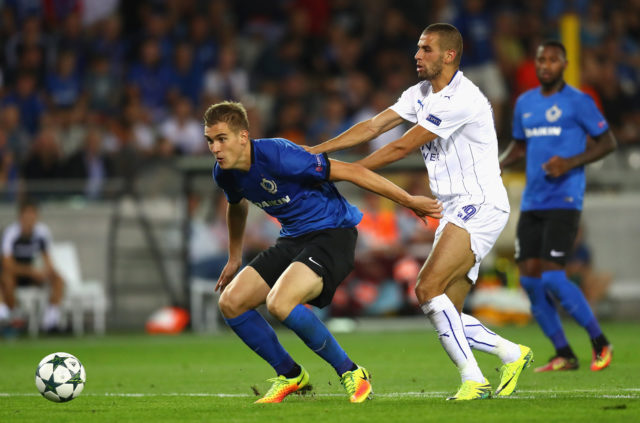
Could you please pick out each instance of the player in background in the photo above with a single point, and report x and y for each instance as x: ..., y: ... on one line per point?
x: 314, y: 253
x: 550, y: 128
x: 455, y: 133
x: 22, y: 241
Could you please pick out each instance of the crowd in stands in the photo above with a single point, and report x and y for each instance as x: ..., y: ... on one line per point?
x: 88, y: 87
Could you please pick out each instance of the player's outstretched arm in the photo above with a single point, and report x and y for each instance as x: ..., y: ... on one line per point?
x: 371, y: 181
x: 359, y: 133
x: 603, y: 145
x: 236, y: 222
x: 398, y: 149
x: 513, y: 154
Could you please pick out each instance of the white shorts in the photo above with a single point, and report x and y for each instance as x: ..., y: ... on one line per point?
x: 483, y: 222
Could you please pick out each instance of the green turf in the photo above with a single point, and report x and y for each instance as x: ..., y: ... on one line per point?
x: 181, y: 378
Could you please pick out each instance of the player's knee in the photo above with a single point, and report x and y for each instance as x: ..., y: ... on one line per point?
x: 425, y: 290
x: 230, y: 306
x: 278, y: 308
x: 430, y: 285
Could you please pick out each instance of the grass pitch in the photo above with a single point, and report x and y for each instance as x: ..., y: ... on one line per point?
x: 199, y: 378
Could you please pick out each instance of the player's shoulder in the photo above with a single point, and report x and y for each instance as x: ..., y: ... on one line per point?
x: 576, y: 95
x: 420, y: 90
x: 41, y: 230
x: 270, y: 145
x: 12, y: 231
x: 271, y: 151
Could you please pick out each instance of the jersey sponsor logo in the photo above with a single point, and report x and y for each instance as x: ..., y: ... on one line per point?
x: 555, y: 253
x: 543, y: 131
x: 271, y: 203
x: 553, y: 113
x: 269, y: 186
x: 435, y: 120
x: 428, y: 155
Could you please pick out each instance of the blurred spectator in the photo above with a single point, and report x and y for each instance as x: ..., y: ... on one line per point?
x: 8, y: 168
x: 150, y: 80
x: 44, y: 160
x: 71, y: 37
x: 187, y: 76
x: 22, y: 242
x: 30, y: 36
x: 208, y: 241
x: 380, y: 100
x: 205, y: 47
x: 290, y: 122
x: 90, y: 166
x: 110, y: 43
x: 475, y: 23
x: 25, y: 97
x: 17, y: 138
x: 144, y: 134
x: 183, y: 130
x: 332, y: 121
x: 64, y: 85
x: 102, y: 86
x: 227, y: 81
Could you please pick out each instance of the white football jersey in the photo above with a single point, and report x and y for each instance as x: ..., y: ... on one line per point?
x: 463, y: 160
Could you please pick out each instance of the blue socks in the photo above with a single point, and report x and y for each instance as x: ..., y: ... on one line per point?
x: 315, y: 334
x: 572, y: 300
x: 251, y: 327
x: 544, y: 311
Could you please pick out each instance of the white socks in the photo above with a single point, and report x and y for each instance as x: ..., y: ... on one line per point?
x: 51, y: 317
x: 482, y: 339
x: 5, y: 312
x: 446, y: 319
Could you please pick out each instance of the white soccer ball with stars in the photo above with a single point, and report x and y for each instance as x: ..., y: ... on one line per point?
x: 60, y: 377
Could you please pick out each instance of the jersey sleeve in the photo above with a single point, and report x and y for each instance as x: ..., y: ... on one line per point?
x: 405, y: 105
x: 447, y: 116
x: 296, y: 163
x: 589, y: 117
x: 9, y: 236
x: 44, y: 237
x: 223, y: 180
x: 517, y: 130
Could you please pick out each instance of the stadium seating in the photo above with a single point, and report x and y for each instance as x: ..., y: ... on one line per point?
x: 81, y: 296
x: 204, y: 305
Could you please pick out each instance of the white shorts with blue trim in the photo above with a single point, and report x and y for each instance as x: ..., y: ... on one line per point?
x: 484, y: 223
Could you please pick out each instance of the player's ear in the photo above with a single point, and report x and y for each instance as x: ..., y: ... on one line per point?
x: 244, y: 136
x: 449, y: 56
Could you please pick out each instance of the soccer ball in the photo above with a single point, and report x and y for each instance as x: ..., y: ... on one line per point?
x: 60, y: 377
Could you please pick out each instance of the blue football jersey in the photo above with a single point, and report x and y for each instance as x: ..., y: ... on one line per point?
x: 291, y: 185
x: 556, y: 125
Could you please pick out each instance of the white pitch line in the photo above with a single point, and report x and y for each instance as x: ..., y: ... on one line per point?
x: 524, y: 394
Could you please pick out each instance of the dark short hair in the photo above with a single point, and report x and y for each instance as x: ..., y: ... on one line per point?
x: 555, y: 43
x: 450, y: 38
x: 232, y: 113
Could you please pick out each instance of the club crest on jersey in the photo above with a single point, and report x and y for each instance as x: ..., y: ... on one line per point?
x: 553, y: 113
x: 435, y: 120
x: 269, y: 186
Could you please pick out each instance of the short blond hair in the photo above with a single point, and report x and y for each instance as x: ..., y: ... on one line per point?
x: 232, y: 113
